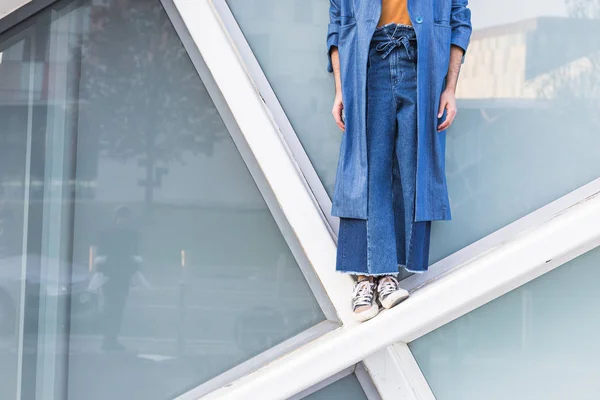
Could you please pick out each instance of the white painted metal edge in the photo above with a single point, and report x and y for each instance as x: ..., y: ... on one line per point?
x: 256, y: 362
x: 263, y: 87
x: 405, y: 359
x: 477, y: 248
x: 397, y: 375
x: 366, y: 382
x: 269, y: 149
x: 509, y: 265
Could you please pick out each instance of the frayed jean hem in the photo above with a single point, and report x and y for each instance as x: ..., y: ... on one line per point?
x: 367, y: 274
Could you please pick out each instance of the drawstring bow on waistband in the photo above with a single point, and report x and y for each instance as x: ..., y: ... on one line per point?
x: 387, y: 47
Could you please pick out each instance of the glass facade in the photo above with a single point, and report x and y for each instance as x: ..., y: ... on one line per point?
x: 529, y: 90
x: 347, y: 388
x: 137, y: 256
x: 536, y: 342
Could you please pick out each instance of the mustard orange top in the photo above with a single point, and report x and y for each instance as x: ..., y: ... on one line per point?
x: 394, y: 11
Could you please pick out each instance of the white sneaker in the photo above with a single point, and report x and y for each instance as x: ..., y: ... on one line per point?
x: 364, y: 305
x: 389, y: 292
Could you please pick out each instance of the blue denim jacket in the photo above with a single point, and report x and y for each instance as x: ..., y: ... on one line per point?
x: 351, y: 26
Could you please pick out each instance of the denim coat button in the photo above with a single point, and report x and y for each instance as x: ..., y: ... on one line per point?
x: 419, y: 19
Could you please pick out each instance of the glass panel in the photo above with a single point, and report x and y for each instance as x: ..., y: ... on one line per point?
x: 347, y: 388
x: 296, y: 70
x: 528, y: 78
x: 15, y: 85
x: 152, y: 262
x: 536, y: 342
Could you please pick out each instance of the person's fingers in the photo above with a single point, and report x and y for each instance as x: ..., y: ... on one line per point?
x: 444, y: 125
x: 450, y: 115
x: 337, y: 115
x: 443, y: 104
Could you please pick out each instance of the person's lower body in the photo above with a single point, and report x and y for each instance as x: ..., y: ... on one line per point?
x: 374, y: 249
x: 115, y: 293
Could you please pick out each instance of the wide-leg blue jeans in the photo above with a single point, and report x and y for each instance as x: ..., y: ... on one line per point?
x: 389, y: 238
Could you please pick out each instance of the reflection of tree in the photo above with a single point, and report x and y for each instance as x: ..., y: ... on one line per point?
x: 141, y: 96
x: 576, y: 83
x: 583, y: 8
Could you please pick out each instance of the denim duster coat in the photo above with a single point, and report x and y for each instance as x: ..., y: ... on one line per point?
x: 438, y: 24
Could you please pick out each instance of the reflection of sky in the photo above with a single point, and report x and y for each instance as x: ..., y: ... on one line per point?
x: 487, y: 13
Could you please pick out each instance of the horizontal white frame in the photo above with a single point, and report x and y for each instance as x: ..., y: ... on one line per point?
x: 261, y: 359
x: 509, y: 265
x: 501, y: 235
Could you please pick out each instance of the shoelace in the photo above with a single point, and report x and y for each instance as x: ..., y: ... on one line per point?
x: 363, y: 294
x: 387, y: 285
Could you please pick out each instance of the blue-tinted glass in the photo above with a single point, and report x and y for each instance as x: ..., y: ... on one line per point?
x: 537, y: 342
x: 528, y: 104
x: 347, y: 388
x: 133, y: 235
x: 14, y: 90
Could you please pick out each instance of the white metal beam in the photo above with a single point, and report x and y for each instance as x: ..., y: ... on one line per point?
x: 396, y: 374
x: 502, y: 269
x: 269, y: 149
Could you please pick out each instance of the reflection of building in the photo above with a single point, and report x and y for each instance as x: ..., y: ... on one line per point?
x: 515, y: 61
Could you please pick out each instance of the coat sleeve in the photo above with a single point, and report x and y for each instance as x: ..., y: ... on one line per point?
x: 460, y: 21
x: 332, y: 29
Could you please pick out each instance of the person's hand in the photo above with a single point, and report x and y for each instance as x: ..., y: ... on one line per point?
x: 338, y: 107
x: 448, y: 103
